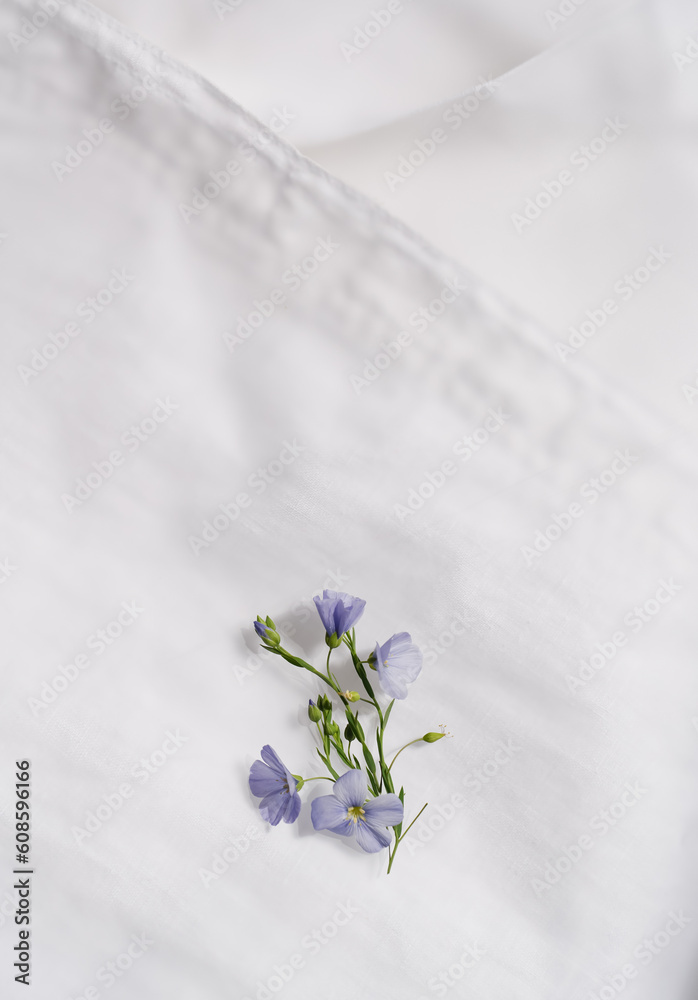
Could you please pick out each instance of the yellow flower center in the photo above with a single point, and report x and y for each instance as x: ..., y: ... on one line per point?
x: 355, y: 813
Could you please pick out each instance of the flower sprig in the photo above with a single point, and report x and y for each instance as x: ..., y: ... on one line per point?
x: 363, y: 802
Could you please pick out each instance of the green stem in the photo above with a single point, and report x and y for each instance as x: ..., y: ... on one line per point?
x: 385, y: 771
x: 338, y: 746
x: 298, y: 662
x: 323, y: 739
x: 418, y: 740
x: 341, y: 752
x: 335, y: 776
x: 386, y: 777
x: 359, y: 667
x: 326, y: 761
x: 405, y: 832
x: 398, y: 840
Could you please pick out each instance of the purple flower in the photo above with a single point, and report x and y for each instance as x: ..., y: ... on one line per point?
x: 275, y: 785
x: 398, y: 662
x: 338, y: 612
x: 346, y: 811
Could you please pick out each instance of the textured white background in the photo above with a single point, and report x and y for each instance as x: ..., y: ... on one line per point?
x: 187, y: 662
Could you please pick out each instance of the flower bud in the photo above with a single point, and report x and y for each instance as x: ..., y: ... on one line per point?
x: 348, y: 734
x: 433, y: 737
x: 267, y: 631
x: 332, y: 729
x: 314, y: 713
x: 352, y: 695
x: 354, y: 724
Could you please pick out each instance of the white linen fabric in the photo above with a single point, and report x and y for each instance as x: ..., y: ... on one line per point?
x: 347, y: 66
x: 230, y: 381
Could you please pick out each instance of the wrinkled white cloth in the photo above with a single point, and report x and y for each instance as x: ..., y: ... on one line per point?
x: 231, y: 381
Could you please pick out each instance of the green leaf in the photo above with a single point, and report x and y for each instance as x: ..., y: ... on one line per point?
x: 364, y: 679
x: 387, y: 713
x: 387, y: 778
x: 368, y: 757
x: 326, y: 762
x: 359, y: 667
x: 341, y: 754
x: 401, y: 796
